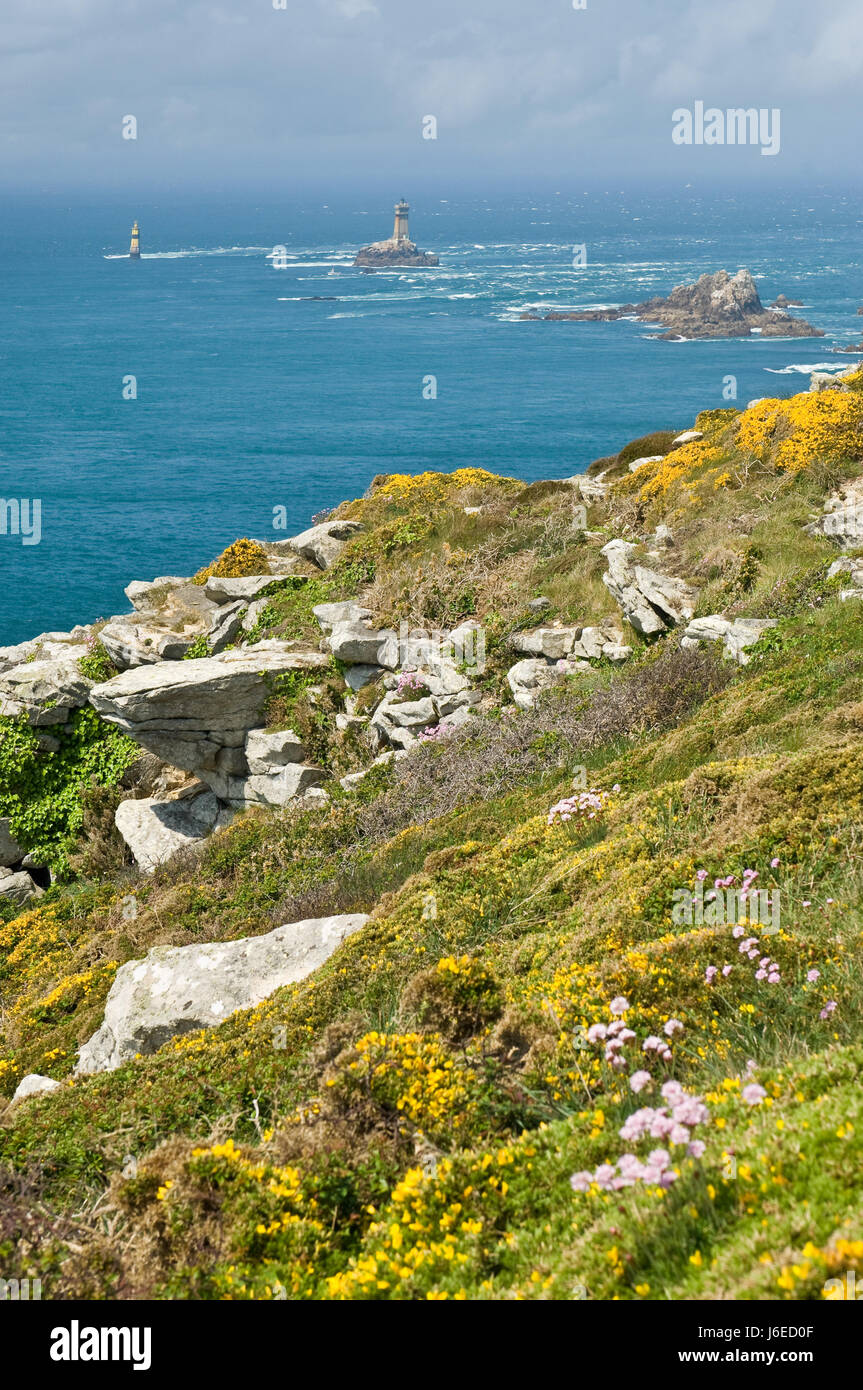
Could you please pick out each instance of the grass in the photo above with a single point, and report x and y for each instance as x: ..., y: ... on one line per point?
x: 404, y: 1123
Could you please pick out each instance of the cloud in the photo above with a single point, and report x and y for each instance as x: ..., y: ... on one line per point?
x: 338, y: 88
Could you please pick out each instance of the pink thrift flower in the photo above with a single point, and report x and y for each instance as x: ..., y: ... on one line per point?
x: 701, y: 875
x: 726, y: 970
x: 774, y: 863
x: 639, y: 1080
x: 672, y: 1026
x: 710, y: 973
x: 754, y: 1094
x: 773, y: 977
x: 619, y: 1005
x: 828, y: 1008
x: 696, y: 1148
x: 580, y: 1182
x: 813, y: 975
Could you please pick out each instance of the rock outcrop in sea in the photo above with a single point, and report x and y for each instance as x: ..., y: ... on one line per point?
x: 716, y: 306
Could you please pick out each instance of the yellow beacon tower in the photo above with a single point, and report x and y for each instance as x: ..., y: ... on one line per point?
x: 134, y: 248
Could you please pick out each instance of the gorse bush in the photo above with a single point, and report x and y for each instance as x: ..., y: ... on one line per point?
x: 242, y: 557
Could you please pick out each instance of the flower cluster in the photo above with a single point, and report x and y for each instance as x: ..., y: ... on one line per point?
x: 615, y: 1036
x: 674, y: 1122
x: 430, y: 487
x: 412, y: 1074
x: 410, y: 686
x: 653, y: 480
x: 436, y: 734
x: 812, y: 426
x: 584, y: 807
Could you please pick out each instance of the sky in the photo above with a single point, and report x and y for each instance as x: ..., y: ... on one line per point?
x: 335, y: 92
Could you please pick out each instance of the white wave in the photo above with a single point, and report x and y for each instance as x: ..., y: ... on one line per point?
x: 806, y: 367
x: 462, y: 296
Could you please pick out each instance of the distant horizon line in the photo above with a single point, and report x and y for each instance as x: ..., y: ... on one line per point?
x: 463, y: 187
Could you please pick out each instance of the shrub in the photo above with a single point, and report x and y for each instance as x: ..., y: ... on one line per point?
x: 458, y: 998
x: 241, y: 558
x: 97, y: 664
x: 42, y: 792
x: 819, y: 426
x: 488, y: 756
x: 659, y: 442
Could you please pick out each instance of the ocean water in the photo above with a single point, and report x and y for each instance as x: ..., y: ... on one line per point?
x: 260, y: 387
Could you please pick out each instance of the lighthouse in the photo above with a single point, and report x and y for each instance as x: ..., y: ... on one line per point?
x: 134, y: 247
x: 400, y: 230
x: 397, y: 250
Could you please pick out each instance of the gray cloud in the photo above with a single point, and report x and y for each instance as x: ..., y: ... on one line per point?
x: 336, y: 89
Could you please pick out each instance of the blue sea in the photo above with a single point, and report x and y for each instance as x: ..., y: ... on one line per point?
x: 260, y: 387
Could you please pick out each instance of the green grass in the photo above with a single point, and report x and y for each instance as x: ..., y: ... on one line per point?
x: 372, y: 1132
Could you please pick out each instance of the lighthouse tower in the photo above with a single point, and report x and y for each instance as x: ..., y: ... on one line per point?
x: 400, y: 230
x: 134, y: 248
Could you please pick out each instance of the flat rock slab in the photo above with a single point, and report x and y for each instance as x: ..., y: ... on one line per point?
x: 322, y: 544
x: 18, y: 887
x: 350, y: 610
x: 132, y: 643
x: 34, y: 1085
x: 154, y: 830
x: 736, y: 636
x: 244, y: 587
x: 49, y: 646
x: 650, y: 601
x: 189, y: 712
x: 45, y: 691
x: 180, y: 989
